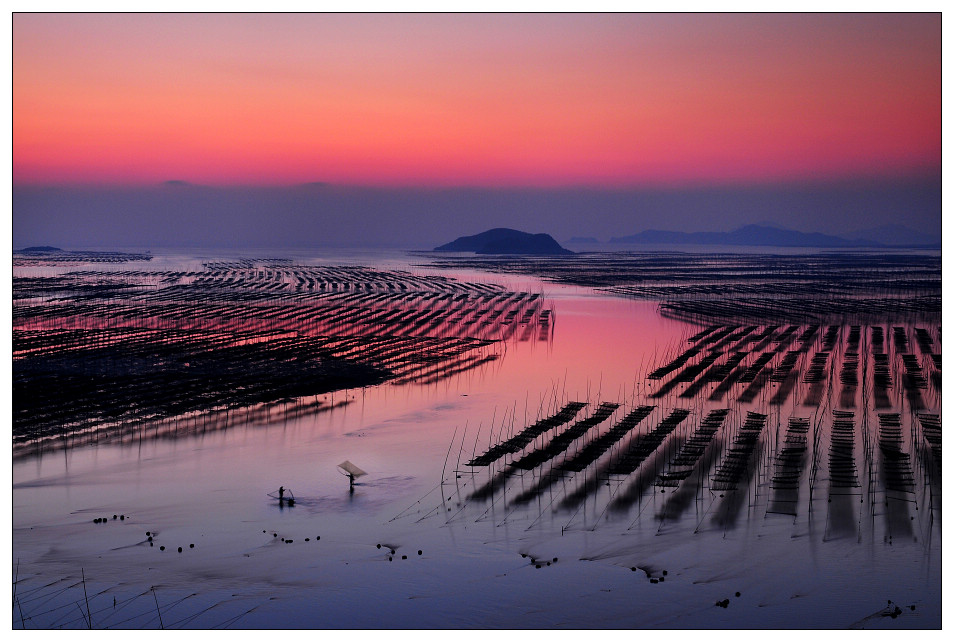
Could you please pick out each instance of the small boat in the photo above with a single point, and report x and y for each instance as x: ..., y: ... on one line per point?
x: 286, y: 497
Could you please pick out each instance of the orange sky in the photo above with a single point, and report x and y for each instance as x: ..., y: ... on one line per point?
x: 484, y: 100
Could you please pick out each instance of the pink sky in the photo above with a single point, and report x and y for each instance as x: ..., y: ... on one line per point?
x: 483, y: 100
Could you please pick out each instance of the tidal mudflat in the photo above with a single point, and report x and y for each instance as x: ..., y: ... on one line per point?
x: 623, y: 441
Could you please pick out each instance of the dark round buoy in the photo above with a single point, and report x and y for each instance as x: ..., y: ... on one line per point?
x: 554, y: 560
x: 538, y: 566
x: 274, y: 534
x: 115, y: 516
x: 737, y: 594
x: 151, y: 544
x: 148, y: 533
x: 390, y: 559
x: 420, y: 552
x: 122, y: 517
x: 653, y: 580
x: 912, y: 607
x: 307, y: 539
x: 289, y: 541
x: 263, y: 530
x: 191, y: 545
x: 404, y: 557
x: 317, y: 537
x: 150, y: 538
x: 180, y: 549
x: 162, y: 548
x: 632, y: 568
x: 548, y: 563
x: 96, y: 520
x: 662, y: 579
x: 523, y: 554
x: 283, y: 539
x: 379, y: 546
x: 665, y: 572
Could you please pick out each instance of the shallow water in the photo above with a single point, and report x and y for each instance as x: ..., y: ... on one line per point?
x: 833, y: 560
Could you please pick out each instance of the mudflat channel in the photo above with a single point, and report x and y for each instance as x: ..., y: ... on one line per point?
x: 629, y: 441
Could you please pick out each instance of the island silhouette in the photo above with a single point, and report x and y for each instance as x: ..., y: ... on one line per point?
x: 502, y: 240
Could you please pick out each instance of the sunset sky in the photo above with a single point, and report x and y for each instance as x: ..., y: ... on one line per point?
x: 421, y: 127
x: 474, y: 100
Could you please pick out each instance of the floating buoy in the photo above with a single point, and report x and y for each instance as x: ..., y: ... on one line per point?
x: 420, y: 552
x: 191, y: 545
x: 404, y: 557
x: 379, y: 546
x: 162, y: 548
x: 737, y: 594
x: 180, y: 549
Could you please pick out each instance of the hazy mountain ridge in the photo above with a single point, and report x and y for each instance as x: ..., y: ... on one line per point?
x: 886, y: 236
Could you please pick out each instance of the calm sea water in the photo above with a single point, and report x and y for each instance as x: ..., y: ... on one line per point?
x: 613, y: 552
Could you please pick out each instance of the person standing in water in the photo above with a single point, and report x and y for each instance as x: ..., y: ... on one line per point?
x: 281, y: 493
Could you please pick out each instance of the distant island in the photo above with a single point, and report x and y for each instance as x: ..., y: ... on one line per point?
x: 37, y: 249
x: 747, y: 235
x: 502, y: 240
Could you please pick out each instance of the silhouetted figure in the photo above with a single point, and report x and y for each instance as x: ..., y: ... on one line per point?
x: 351, y: 479
x: 281, y: 493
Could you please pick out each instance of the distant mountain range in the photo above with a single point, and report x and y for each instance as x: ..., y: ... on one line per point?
x: 885, y: 236
x: 502, y: 240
